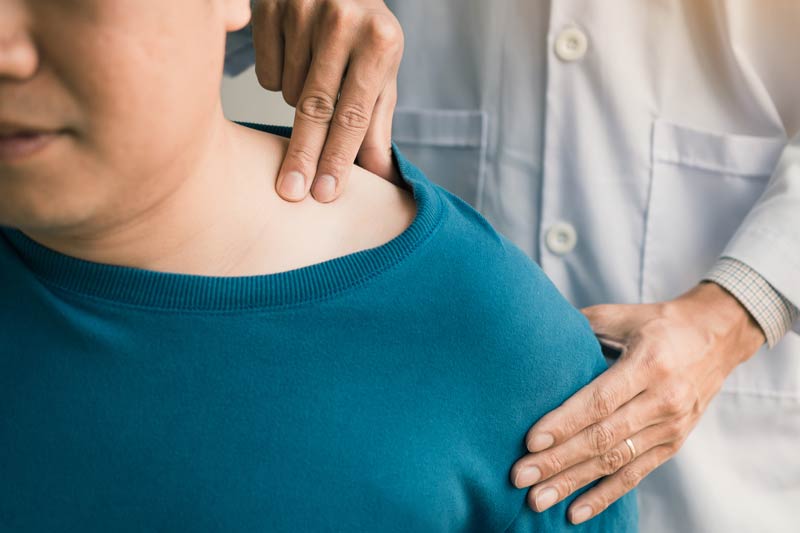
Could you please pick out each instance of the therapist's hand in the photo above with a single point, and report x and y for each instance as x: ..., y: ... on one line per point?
x: 336, y: 62
x: 675, y: 358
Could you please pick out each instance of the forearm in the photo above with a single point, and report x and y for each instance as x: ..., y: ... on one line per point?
x: 768, y: 240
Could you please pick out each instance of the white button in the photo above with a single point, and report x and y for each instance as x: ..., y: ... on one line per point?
x: 571, y: 44
x: 561, y: 238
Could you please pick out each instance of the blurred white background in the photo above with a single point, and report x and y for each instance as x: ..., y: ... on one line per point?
x: 245, y: 100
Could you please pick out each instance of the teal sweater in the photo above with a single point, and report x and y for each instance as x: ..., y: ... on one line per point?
x: 388, y: 390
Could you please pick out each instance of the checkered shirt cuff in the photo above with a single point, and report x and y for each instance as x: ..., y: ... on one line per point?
x: 773, y: 313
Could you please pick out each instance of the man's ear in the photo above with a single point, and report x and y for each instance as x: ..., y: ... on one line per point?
x: 237, y: 14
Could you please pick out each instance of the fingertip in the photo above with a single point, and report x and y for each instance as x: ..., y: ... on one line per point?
x: 292, y: 186
x: 324, y: 189
x: 581, y: 514
x: 539, y: 442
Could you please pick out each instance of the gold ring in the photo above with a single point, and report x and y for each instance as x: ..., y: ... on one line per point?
x: 631, y: 447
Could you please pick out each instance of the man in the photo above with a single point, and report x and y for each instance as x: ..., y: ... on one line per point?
x: 644, y: 154
x: 182, y: 350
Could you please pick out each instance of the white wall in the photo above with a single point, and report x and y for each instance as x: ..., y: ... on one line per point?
x: 245, y: 100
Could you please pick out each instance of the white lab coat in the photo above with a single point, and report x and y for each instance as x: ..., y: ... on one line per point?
x: 626, y: 145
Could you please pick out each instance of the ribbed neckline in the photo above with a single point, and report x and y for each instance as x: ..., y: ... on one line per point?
x: 145, y: 288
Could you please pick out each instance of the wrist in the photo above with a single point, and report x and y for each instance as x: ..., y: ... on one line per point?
x: 726, y: 321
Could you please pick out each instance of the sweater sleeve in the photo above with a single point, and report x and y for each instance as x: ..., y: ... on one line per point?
x: 562, y: 345
x: 547, y: 352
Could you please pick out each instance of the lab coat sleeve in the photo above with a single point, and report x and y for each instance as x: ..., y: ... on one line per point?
x: 239, y: 54
x: 769, y: 238
x: 770, y: 309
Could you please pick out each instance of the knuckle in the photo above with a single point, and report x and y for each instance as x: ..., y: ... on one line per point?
x: 296, y: 63
x: 672, y: 399
x: 572, y: 424
x: 670, y: 403
x: 301, y: 155
x: 602, y: 502
x: 338, y: 16
x: 265, y: 9
x: 674, y: 428
x: 316, y: 107
x: 654, y: 361
x: 673, y: 447
x: 566, y: 485
x: 384, y: 32
x: 553, y: 464
x: 612, y: 461
x: 352, y: 117
x: 297, y: 12
x: 657, y: 337
x: 630, y: 477
x: 602, y: 402
x: 335, y: 160
x: 601, y: 438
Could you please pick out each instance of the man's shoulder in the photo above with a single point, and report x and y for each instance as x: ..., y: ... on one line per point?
x: 369, y: 212
x: 515, y: 340
x: 496, y: 274
x: 504, y: 303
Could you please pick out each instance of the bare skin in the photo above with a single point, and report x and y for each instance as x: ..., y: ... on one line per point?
x: 229, y: 221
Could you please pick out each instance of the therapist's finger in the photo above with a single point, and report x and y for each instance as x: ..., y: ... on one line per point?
x: 268, y: 44
x: 593, y: 403
x: 593, y: 442
x: 297, y: 26
x: 362, y: 85
x: 375, y: 153
x: 597, y: 499
x: 545, y: 495
x: 314, y: 113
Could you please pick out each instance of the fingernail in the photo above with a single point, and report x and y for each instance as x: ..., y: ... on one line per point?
x: 540, y: 442
x: 581, y: 514
x: 546, y: 498
x: 324, y: 188
x: 293, y: 186
x: 528, y: 476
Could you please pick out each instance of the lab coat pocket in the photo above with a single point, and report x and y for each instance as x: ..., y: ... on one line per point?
x: 448, y: 145
x: 703, y: 185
